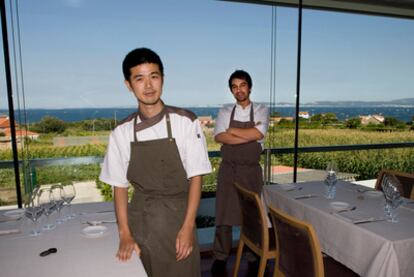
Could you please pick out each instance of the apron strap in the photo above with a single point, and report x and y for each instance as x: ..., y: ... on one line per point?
x: 167, y: 119
x: 232, y: 113
x: 251, y: 113
x: 133, y: 130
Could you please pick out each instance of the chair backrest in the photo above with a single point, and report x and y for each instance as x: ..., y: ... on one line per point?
x: 299, y: 250
x: 406, y: 180
x: 254, y: 220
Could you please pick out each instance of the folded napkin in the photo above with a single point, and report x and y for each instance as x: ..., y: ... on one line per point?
x: 9, y: 231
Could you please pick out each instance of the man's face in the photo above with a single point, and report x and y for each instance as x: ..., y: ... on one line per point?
x: 240, y: 89
x: 146, y: 83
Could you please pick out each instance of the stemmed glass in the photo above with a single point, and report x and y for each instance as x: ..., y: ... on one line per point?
x: 390, y: 187
x: 330, y: 180
x: 56, y: 196
x: 69, y: 194
x: 48, y: 206
x: 33, y: 211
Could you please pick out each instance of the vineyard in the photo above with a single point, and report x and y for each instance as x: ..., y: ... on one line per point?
x: 366, y: 163
x: 48, y: 151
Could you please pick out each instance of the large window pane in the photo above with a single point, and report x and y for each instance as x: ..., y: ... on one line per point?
x: 71, y: 54
x: 355, y: 89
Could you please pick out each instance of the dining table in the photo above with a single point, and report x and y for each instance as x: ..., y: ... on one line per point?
x: 85, y: 245
x: 352, y: 227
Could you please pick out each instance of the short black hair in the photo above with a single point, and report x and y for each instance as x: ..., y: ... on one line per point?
x: 241, y: 74
x: 140, y: 56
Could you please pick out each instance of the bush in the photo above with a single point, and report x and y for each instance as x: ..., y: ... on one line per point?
x: 353, y: 123
x: 49, y: 124
x: 106, y: 190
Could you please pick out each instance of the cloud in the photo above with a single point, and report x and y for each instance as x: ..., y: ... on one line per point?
x: 73, y: 3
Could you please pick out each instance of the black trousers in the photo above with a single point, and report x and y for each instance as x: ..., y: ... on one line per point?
x: 223, y: 242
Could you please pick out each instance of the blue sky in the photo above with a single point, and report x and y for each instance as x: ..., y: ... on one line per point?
x: 73, y: 49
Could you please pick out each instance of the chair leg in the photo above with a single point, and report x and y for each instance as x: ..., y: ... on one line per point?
x: 275, y: 269
x: 238, y: 258
x: 262, y: 267
x: 277, y: 273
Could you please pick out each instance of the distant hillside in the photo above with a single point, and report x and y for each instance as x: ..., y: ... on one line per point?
x: 397, y: 102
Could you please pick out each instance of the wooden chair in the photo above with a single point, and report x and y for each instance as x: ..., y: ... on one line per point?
x: 299, y: 252
x: 406, y: 180
x: 254, y: 231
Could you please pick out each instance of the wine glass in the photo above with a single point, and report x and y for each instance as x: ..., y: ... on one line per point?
x: 391, y: 188
x: 330, y: 180
x: 69, y: 194
x: 33, y: 211
x: 48, y: 206
x: 56, y: 196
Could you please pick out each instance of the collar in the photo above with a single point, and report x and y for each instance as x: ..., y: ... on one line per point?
x: 239, y: 107
x: 148, y: 122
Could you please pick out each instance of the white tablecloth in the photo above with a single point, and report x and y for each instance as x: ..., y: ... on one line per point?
x: 371, y: 249
x: 77, y: 255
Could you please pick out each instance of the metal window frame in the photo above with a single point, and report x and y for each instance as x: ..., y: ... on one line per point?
x: 391, y: 8
x: 404, y: 9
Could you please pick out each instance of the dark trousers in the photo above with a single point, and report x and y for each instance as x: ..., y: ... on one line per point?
x: 223, y: 242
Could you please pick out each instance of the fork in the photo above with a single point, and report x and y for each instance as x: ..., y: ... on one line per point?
x: 347, y: 210
x: 98, y: 222
x: 292, y: 189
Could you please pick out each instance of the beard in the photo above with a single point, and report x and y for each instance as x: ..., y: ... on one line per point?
x: 242, y: 97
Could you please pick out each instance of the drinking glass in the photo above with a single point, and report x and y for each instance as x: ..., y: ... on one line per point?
x: 56, y: 196
x: 33, y: 211
x: 393, y: 199
x: 69, y: 194
x: 48, y: 207
x: 330, y: 180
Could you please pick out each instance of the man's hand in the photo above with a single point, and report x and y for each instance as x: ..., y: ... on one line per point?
x: 126, y: 247
x: 184, y: 243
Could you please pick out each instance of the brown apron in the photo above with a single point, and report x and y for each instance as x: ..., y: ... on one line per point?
x: 240, y: 163
x: 158, y: 206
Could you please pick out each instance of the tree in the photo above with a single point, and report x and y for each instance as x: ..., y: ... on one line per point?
x: 353, y: 123
x: 99, y: 124
x: 275, y: 114
x: 326, y: 118
x: 329, y: 118
x: 316, y: 117
x: 391, y: 121
x: 50, y: 124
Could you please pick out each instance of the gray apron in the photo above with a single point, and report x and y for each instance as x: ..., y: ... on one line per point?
x: 240, y: 163
x: 157, y: 209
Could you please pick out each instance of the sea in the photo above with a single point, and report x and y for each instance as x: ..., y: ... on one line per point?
x: 78, y: 114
